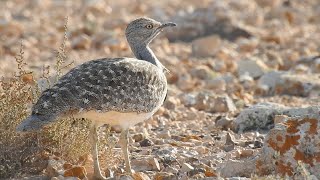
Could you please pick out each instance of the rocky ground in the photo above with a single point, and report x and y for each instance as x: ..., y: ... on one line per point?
x: 243, y: 82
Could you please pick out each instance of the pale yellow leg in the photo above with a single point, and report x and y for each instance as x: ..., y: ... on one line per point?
x: 123, y: 142
x: 94, y: 150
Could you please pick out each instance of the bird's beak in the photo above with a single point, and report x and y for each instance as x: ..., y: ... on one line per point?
x: 159, y: 30
x: 169, y: 24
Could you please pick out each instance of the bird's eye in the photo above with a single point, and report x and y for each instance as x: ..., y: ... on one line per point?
x: 149, y: 26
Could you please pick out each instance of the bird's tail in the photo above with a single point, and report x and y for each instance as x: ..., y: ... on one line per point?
x: 33, y: 123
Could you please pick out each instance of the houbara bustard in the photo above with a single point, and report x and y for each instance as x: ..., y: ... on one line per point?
x: 115, y: 91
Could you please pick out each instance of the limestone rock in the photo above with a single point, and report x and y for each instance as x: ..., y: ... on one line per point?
x: 263, y: 115
x: 290, y: 145
x: 281, y: 82
x: 302, y: 112
x: 254, y: 67
x: 259, y: 116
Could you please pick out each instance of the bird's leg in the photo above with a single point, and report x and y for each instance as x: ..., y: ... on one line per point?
x: 124, y: 146
x: 94, y: 151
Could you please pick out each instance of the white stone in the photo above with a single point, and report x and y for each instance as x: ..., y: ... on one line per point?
x: 254, y: 67
x: 186, y: 167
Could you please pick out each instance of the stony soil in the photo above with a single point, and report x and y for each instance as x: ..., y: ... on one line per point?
x: 243, y: 82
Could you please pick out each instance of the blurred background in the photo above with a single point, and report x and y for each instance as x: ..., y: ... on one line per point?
x: 223, y: 56
x: 224, y: 46
x: 216, y: 34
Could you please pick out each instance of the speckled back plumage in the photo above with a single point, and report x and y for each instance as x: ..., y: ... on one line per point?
x: 121, y: 84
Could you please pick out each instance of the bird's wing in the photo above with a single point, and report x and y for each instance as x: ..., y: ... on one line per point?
x: 121, y: 84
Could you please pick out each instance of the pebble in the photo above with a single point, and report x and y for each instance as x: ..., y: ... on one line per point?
x: 171, y: 103
x: 196, y: 171
x: 172, y: 170
x: 202, y: 72
x: 202, y: 150
x: 140, y: 176
x: 138, y: 137
x: 217, y: 84
x: 186, y: 167
x: 224, y: 123
x: 164, y: 176
x: 164, y: 134
x: 146, y: 164
x: 146, y: 142
x: 229, y: 144
x: 253, y: 67
x: 257, y: 144
x: 77, y: 171
x: 210, y: 172
x: 207, y: 46
x: 244, y: 153
x: 212, y: 103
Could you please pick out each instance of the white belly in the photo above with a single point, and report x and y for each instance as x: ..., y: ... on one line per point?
x: 113, y: 118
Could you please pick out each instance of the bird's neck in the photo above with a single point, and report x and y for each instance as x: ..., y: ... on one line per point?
x: 146, y: 54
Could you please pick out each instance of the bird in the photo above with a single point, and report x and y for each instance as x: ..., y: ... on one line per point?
x: 115, y: 91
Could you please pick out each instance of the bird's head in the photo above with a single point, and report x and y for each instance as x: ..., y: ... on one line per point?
x: 143, y: 30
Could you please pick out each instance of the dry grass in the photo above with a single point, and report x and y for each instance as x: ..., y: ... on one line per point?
x: 27, y: 154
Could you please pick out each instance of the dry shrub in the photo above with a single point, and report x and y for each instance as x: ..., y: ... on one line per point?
x: 18, y: 153
x: 28, y: 153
